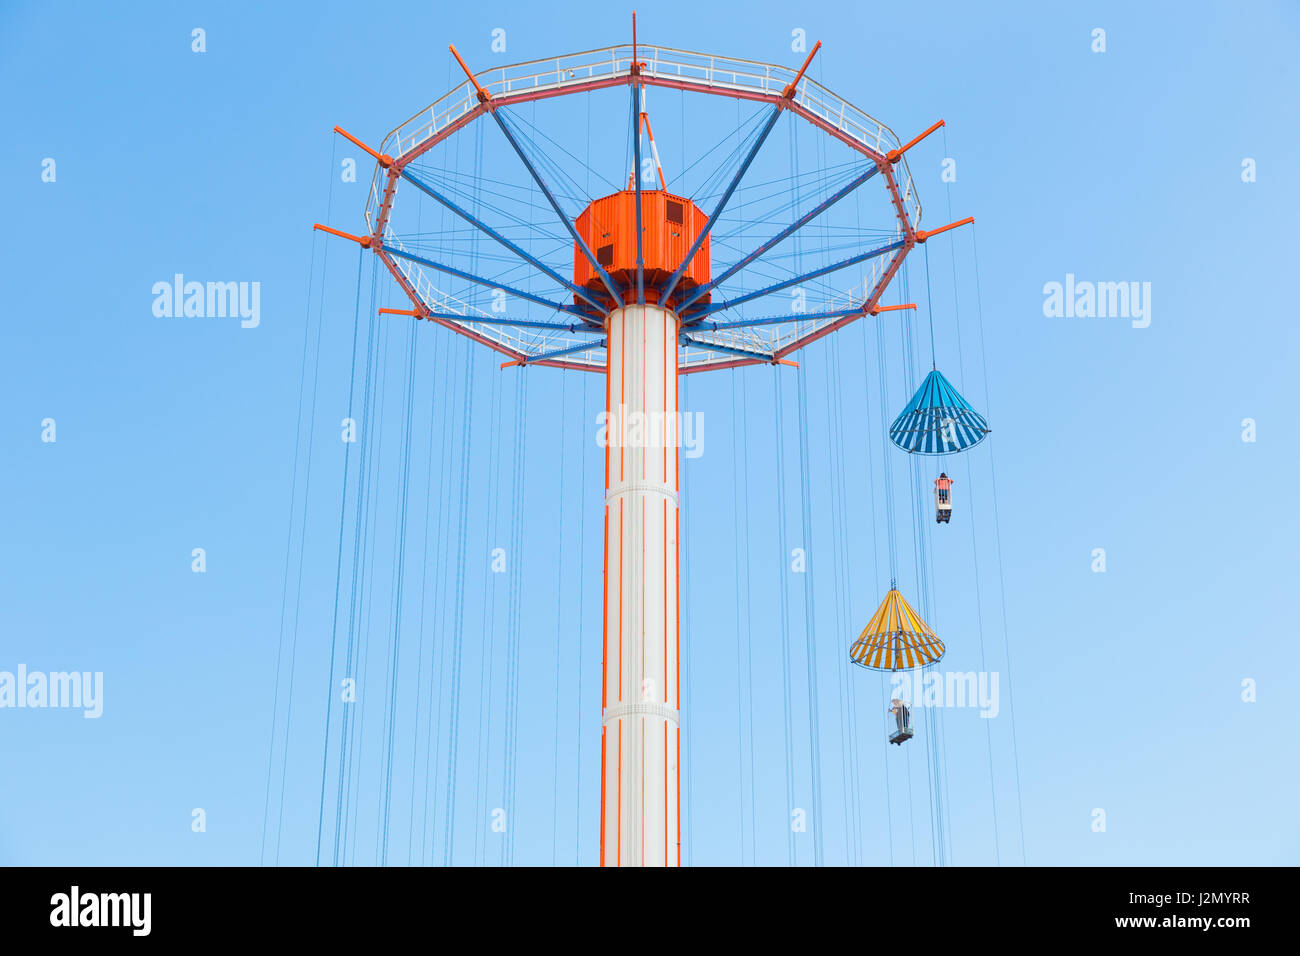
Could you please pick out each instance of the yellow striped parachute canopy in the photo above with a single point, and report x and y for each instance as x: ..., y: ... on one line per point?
x: 896, y: 639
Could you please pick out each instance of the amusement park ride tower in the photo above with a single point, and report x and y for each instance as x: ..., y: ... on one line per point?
x: 641, y: 303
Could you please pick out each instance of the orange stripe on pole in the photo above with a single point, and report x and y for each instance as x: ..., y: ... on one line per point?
x: 604, y: 658
x: 604, y: 748
x: 621, y: 526
x: 665, y: 791
x: 618, y: 820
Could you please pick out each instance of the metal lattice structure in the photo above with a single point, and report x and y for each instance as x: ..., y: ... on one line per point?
x: 711, y: 338
x: 643, y: 299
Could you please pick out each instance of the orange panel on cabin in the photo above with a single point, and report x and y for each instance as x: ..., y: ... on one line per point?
x: 669, y: 225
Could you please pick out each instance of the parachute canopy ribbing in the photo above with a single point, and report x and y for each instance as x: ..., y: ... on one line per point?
x: 937, y: 421
x: 896, y: 638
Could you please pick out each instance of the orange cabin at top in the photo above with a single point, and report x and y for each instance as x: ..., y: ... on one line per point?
x: 669, y: 224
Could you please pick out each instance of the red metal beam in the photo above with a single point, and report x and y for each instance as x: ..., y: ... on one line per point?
x: 442, y: 134
x: 528, y: 96
x: 718, y: 366
x: 386, y: 203
x: 895, y: 197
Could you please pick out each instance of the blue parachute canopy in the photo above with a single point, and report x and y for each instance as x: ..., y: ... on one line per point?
x: 937, y: 421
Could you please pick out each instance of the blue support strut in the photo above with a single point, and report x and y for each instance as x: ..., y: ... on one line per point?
x: 722, y: 204
x: 757, y: 356
x: 779, y: 237
x: 521, y: 323
x: 469, y: 277
x: 833, y: 267
x: 493, y: 234
x: 543, y: 356
x: 568, y: 223
x: 703, y: 326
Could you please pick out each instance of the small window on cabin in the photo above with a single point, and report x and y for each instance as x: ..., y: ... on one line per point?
x: 675, y: 212
x: 605, y: 255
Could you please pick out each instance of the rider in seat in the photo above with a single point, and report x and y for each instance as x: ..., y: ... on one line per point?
x: 903, y: 717
x: 942, y: 498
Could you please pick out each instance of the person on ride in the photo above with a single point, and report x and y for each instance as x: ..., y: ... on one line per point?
x: 899, y: 710
x: 944, y: 484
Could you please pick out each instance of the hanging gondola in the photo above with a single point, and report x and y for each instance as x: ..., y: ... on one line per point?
x: 937, y: 421
x: 943, y: 498
x: 896, y: 639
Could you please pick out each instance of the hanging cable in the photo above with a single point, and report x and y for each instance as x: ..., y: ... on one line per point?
x: 513, y: 637
x: 396, y: 655
x: 737, y: 621
x: 783, y: 584
x: 1002, y: 587
x: 330, y: 689
x: 436, y: 365
x: 559, y: 607
x: 329, y: 696
x: 302, y: 532
x: 925, y: 578
x: 582, y: 577
x: 487, y: 670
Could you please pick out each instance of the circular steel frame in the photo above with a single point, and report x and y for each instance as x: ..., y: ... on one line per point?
x: 706, y: 343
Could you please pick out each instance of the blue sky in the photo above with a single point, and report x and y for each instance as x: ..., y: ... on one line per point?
x: 175, y: 434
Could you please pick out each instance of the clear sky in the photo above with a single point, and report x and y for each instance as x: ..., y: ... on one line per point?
x: 174, y: 434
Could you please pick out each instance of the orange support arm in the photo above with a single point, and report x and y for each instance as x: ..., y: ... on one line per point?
x: 384, y: 159
x: 788, y: 92
x: 411, y: 312
x: 922, y: 235
x: 363, y: 241
x: 891, y: 308
x: 483, y: 95
x: 895, y: 154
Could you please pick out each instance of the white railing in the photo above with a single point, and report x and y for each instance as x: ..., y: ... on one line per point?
x: 704, y: 71
x: 701, y: 69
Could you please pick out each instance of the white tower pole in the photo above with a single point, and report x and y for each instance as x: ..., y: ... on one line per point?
x: 641, y: 740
